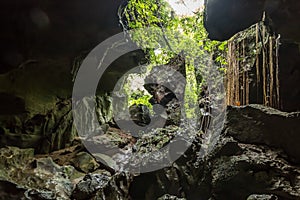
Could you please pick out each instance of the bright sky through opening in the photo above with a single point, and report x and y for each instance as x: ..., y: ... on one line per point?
x: 186, y: 7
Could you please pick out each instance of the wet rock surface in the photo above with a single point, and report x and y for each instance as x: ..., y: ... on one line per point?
x: 246, y: 162
x: 235, y: 168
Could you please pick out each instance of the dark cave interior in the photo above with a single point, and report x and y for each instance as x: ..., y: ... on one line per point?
x: 255, y: 157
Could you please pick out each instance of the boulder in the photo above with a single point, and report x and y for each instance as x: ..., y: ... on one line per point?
x: 257, y: 124
x: 255, y: 154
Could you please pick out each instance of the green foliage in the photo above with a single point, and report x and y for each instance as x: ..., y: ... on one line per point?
x: 136, y: 94
x: 191, y: 36
x: 191, y: 91
x: 140, y: 97
x: 172, y: 35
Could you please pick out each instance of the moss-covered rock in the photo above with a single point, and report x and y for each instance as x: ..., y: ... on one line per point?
x: 84, y: 162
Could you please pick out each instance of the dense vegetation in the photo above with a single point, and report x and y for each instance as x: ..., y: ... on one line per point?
x: 169, y: 35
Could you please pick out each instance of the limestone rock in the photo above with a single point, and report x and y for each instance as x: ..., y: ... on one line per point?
x: 39, y: 178
x: 257, y: 124
x: 84, y: 162
x: 101, y: 187
x: 87, y: 188
x: 251, y: 156
x: 246, y: 161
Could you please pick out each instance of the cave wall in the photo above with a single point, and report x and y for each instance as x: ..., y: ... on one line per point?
x: 39, y: 42
x: 289, y: 62
x: 53, y: 28
x: 224, y: 18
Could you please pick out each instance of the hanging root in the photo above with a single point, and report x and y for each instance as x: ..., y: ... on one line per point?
x: 271, y: 70
x: 277, y: 42
x: 238, y: 77
x: 257, y: 60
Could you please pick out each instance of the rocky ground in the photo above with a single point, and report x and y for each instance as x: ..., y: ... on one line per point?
x: 255, y: 157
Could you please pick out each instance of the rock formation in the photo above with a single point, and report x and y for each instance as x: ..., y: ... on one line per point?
x: 255, y: 157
